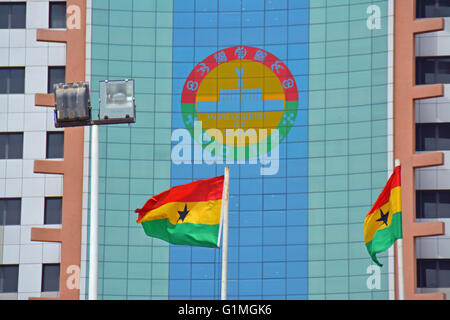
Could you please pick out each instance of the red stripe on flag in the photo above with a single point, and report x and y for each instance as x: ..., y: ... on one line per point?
x: 394, y: 181
x: 200, y: 190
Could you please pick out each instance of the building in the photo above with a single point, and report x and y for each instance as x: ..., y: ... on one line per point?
x: 332, y: 91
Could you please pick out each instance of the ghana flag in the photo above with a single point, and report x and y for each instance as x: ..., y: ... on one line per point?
x: 383, y: 224
x: 187, y: 214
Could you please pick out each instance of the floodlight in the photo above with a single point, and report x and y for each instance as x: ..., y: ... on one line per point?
x: 72, y: 103
x: 117, y: 100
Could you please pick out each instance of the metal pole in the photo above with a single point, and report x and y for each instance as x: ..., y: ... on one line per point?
x: 401, y: 284
x: 93, y: 243
x: 226, y: 186
x: 400, y: 280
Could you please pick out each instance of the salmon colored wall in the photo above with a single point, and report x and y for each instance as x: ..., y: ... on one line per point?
x: 405, y: 92
x: 69, y: 235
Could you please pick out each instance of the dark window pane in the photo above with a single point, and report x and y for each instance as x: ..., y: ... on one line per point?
x: 425, y: 137
x: 432, y: 136
x: 430, y: 70
x: 15, y: 145
x: 444, y: 137
x: 4, y: 15
x: 425, y: 70
x: 432, y: 8
x: 12, y: 15
x: 13, y: 211
x: 444, y: 273
x: 426, y: 203
x: 57, y: 15
x: 17, y: 80
x: 3, y: 145
x: 10, y: 211
x: 53, y: 210
x: 433, y: 273
x: 2, y: 213
x: 50, y: 277
x: 18, y: 15
x: 55, y: 145
x: 4, y: 75
x: 12, y: 80
x: 427, y: 275
x: 442, y: 71
x: 55, y: 75
x: 444, y: 204
x: 11, y: 145
x: 433, y: 204
x: 9, y: 278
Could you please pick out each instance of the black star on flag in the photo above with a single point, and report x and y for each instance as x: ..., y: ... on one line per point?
x: 383, y: 217
x: 183, y: 213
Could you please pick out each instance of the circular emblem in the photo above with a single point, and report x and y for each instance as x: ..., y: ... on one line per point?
x: 243, y: 92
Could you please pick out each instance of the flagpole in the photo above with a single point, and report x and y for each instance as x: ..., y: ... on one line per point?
x: 400, y: 280
x: 93, y: 241
x: 226, y: 186
x: 401, y: 284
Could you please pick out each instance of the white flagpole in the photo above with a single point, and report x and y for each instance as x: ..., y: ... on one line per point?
x: 226, y: 187
x: 93, y: 241
x: 400, y: 280
x: 401, y: 284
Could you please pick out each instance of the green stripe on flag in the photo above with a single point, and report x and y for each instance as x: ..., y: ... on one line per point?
x: 191, y: 234
x: 385, y: 238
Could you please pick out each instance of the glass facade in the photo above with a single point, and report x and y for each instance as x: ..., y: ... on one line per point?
x: 310, y: 78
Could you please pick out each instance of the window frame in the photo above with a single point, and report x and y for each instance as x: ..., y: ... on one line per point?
x: 436, y: 127
x: 50, y: 81
x: 439, y: 264
x: 2, y: 283
x: 5, y: 150
x: 46, y: 216
x: 44, y: 283
x: 421, y: 195
x: 4, y: 203
x: 50, y: 154
x: 436, y: 62
x: 421, y: 8
x: 53, y: 24
x: 13, y: 19
x: 8, y: 76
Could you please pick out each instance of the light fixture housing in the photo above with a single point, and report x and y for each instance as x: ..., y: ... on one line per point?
x: 117, y: 100
x: 72, y: 104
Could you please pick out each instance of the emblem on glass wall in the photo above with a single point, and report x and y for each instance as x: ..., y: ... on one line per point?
x: 243, y: 99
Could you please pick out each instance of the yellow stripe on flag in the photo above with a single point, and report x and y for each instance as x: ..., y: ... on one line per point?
x: 203, y: 212
x: 394, y: 205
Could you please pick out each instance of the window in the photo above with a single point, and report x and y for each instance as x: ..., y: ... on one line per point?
x: 12, y: 80
x: 432, y: 8
x: 432, y: 136
x: 430, y: 70
x: 433, y: 273
x: 10, y: 209
x: 53, y: 210
x: 12, y: 15
x: 433, y: 203
x: 55, y: 145
x: 11, y: 145
x: 9, y: 278
x: 55, y: 75
x: 57, y: 14
x: 50, y: 277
